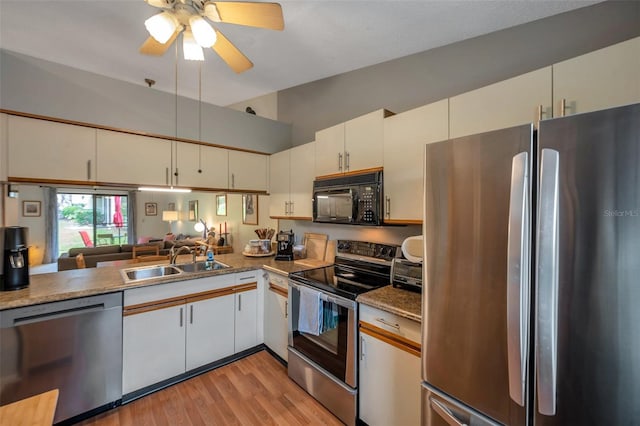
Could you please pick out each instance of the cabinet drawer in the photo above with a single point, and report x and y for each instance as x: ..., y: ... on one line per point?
x: 172, y: 290
x: 392, y: 323
x: 278, y: 280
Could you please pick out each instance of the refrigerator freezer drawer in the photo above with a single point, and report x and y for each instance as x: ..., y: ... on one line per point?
x: 439, y: 410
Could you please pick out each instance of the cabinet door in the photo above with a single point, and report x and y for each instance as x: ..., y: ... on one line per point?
x: 3, y: 147
x: 210, y: 330
x: 329, y: 156
x: 248, y: 171
x: 601, y: 79
x: 246, y: 316
x: 505, y: 104
x: 404, y: 138
x: 389, y: 388
x: 48, y: 150
x: 302, y: 175
x: 279, y: 184
x: 363, y: 138
x: 201, y: 166
x: 133, y: 159
x: 275, y: 316
x: 153, y: 347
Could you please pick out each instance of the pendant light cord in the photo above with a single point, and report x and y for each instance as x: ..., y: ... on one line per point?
x: 199, y: 116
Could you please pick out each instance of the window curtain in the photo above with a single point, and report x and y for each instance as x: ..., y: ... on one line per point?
x: 131, y: 217
x: 50, y: 225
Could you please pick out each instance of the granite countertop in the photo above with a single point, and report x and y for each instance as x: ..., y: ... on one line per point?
x: 398, y: 301
x: 76, y: 283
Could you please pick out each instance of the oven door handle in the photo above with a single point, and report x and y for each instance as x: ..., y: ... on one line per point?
x: 340, y: 301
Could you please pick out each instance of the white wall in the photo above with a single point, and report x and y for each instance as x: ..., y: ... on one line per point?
x: 13, y: 217
x: 265, y: 106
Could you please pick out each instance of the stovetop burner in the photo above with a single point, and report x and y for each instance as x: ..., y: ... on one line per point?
x: 359, y: 267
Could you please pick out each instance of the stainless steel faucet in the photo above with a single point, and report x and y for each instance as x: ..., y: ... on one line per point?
x: 174, y: 253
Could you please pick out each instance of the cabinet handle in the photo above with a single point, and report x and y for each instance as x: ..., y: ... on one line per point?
x: 286, y: 309
x: 233, y: 180
x: 388, y: 324
x: 541, y: 112
x: 88, y: 169
x: 346, y: 161
x: 176, y: 175
x: 563, y: 107
x: 340, y: 161
x: 246, y: 278
x: 388, y: 201
x: 362, y: 348
x: 291, y: 204
x: 181, y: 317
x: 191, y: 315
x: 286, y: 207
x: 166, y: 176
x: 239, y: 302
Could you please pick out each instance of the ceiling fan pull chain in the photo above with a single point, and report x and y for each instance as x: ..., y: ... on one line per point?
x: 200, y: 116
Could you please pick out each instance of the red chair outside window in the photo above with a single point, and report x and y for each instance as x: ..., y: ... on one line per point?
x: 85, y: 239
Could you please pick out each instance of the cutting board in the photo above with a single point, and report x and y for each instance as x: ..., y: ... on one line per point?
x: 316, y: 245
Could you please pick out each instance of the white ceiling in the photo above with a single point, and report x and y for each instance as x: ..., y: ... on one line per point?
x: 321, y: 38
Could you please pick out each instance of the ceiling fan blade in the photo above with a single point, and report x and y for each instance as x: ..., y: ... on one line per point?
x: 152, y: 47
x: 230, y: 54
x: 261, y: 15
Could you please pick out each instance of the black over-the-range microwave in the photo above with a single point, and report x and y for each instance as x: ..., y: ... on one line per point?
x: 353, y: 199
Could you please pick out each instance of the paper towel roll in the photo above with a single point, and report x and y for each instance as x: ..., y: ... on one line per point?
x: 412, y: 249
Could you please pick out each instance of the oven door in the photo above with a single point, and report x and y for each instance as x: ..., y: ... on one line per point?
x: 334, y: 348
x: 334, y: 205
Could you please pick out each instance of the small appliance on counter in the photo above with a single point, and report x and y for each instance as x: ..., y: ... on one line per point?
x: 284, y: 247
x: 407, y: 272
x: 14, y: 267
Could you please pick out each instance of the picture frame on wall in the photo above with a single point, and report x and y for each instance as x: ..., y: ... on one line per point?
x: 150, y: 209
x: 193, y: 211
x: 172, y: 206
x: 250, y: 209
x: 221, y: 205
x: 31, y: 208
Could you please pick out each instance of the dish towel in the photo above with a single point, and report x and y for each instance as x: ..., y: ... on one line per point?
x: 330, y: 316
x: 310, y: 313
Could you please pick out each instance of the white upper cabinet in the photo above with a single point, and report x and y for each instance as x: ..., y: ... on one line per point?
x: 201, y: 166
x: 248, y: 171
x: 519, y: 100
x: 3, y: 147
x: 601, y: 79
x: 405, y: 135
x: 40, y: 149
x: 134, y: 159
x: 351, y: 146
x: 279, y: 188
x: 291, y: 180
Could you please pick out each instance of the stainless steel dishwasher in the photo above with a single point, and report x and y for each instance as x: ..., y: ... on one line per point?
x: 73, y: 345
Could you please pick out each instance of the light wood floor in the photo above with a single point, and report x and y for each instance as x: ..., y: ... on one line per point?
x: 253, y: 391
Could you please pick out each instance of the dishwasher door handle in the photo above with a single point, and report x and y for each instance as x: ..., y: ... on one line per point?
x: 59, y: 314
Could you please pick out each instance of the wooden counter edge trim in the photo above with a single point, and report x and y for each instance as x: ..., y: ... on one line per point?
x: 278, y: 290
x: 239, y: 288
x: 355, y: 172
x: 153, y: 306
x: 393, y: 339
x: 292, y: 218
x: 402, y: 222
x: 131, y: 132
x: 181, y: 300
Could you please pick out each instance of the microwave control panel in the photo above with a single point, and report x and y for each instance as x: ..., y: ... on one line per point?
x: 368, y: 200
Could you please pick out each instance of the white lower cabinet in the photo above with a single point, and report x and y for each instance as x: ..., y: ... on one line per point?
x: 275, y: 315
x: 389, y: 369
x: 172, y: 328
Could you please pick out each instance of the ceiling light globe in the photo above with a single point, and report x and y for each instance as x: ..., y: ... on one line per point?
x: 191, y: 50
x: 198, y: 227
x: 161, y: 26
x: 205, y: 35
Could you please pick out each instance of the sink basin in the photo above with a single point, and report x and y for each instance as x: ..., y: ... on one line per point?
x: 201, y: 266
x: 147, y: 272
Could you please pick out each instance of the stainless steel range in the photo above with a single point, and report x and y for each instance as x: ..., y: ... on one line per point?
x: 323, y: 322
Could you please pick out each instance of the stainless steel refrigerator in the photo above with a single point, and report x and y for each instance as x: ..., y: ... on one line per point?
x: 531, y: 307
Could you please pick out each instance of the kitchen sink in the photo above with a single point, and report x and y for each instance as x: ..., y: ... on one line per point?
x: 147, y: 272
x: 201, y: 266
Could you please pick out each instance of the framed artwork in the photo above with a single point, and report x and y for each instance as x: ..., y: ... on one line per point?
x: 150, y: 209
x: 250, y: 209
x: 193, y: 211
x: 172, y: 206
x: 31, y: 208
x: 221, y: 205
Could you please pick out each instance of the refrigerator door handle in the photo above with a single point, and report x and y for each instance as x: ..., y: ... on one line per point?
x: 518, y: 282
x: 547, y: 282
x: 444, y: 412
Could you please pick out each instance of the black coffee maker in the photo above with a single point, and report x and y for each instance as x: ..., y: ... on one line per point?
x: 285, y: 241
x: 14, y: 266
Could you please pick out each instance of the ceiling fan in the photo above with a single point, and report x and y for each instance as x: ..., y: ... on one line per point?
x: 188, y: 17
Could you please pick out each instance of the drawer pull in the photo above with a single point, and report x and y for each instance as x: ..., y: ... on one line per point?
x: 388, y: 324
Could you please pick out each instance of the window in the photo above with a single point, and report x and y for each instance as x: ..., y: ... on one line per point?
x: 89, y: 220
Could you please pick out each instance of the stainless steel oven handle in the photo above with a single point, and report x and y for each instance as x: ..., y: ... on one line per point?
x: 340, y: 301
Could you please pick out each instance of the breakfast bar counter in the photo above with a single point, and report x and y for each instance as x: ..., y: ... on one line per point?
x: 407, y: 304
x: 76, y: 283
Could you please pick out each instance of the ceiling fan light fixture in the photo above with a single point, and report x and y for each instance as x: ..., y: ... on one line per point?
x: 161, y: 26
x: 204, y: 34
x: 211, y: 12
x: 192, y: 50
x: 159, y: 3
